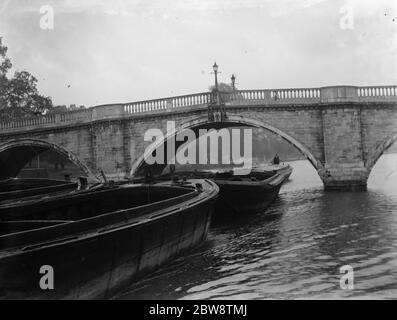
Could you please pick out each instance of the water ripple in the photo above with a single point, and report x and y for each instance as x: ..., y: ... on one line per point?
x: 293, y: 251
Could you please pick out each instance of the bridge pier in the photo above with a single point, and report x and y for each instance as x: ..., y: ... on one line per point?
x: 345, y: 177
x: 344, y: 157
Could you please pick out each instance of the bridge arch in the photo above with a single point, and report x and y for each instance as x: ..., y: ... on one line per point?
x: 378, y: 152
x: 15, y: 154
x: 140, y: 164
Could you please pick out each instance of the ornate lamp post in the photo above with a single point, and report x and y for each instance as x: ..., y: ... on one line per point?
x: 233, y: 78
x: 215, y: 108
x: 216, y: 90
x: 215, y: 68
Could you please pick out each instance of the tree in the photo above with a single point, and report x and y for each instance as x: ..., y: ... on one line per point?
x: 58, y: 109
x: 19, y: 97
x: 5, y: 65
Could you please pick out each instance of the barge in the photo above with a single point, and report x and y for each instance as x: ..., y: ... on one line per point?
x: 98, y: 242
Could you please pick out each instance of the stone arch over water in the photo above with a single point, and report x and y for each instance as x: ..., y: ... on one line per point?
x: 233, y: 120
x: 15, y: 154
x: 378, y: 152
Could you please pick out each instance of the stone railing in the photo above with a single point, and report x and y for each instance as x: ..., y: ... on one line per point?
x: 381, y: 93
x: 272, y: 96
x: 81, y: 115
x: 241, y: 97
x: 167, y: 103
x: 50, y: 120
x: 29, y: 122
x: 312, y: 94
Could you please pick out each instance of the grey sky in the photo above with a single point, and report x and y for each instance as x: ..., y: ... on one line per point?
x: 120, y: 51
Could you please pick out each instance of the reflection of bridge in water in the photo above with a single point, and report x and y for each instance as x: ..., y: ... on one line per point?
x: 341, y: 130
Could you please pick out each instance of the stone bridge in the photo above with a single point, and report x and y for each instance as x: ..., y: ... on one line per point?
x: 341, y: 130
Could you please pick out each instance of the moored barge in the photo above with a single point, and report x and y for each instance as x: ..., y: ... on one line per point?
x: 241, y: 192
x: 17, y: 188
x: 98, y: 242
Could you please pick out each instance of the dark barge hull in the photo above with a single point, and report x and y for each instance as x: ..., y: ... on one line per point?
x: 238, y: 198
x: 252, y: 193
x: 13, y: 189
x: 241, y: 194
x: 96, y: 257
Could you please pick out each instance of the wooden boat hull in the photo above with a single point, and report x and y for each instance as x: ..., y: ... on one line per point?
x: 244, y: 199
x: 14, y: 189
x: 14, y: 184
x: 242, y: 194
x: 284, y: 169
x: 247, y: 197
x: 97, y: 263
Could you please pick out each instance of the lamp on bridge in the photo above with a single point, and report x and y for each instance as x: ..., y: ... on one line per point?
x: 233, y: 78
x: 215, y: 68
x: 216, y: 89
x: 215, y: 108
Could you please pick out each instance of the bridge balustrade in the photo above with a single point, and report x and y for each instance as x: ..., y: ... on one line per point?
x: 380, y: 93
x: 167, y: 103
x: 238, y: 97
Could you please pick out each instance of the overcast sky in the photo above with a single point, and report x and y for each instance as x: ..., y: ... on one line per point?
x: 121, y: 51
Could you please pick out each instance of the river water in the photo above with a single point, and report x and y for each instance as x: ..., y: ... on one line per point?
x: 295, y: 249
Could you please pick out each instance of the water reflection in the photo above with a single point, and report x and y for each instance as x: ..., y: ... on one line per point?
x: 295, y: 250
